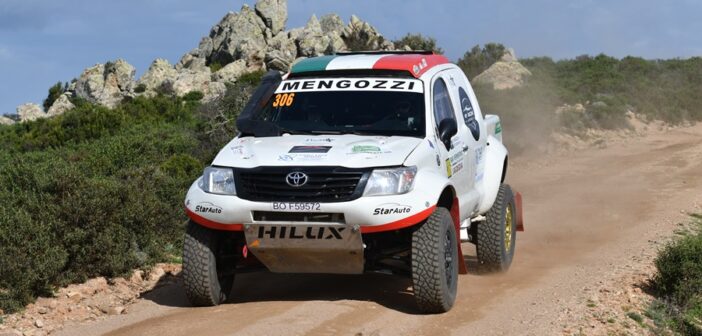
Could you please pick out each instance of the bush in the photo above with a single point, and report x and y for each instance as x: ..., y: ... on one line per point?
x: 477, y: 59
x: 54, y: 93
x: 193, y: 96
x: 93, y: 192
x: 418, y: 42
x: 678, y: 280
x: 141, y: 88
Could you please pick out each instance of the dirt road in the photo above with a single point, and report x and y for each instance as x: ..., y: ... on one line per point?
x: 587, y: 215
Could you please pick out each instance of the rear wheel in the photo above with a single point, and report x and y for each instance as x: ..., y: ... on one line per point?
x: 435, y: 263
x: 497, y: 235
x: 207, y: 278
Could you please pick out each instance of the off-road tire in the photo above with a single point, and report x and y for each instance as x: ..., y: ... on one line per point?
x: 204, y: 286
x: 435, y: 263
x: 493, y: 256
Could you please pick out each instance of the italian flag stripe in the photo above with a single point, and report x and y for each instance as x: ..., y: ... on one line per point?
x: 312, y: 64
x: 354, y: 62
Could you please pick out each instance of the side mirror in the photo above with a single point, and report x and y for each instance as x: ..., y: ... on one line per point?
x: 447, y: 129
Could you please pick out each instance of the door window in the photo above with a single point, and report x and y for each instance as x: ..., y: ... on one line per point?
x: 443, y: 109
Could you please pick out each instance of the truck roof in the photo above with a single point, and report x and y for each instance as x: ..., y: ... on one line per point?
x: 415, y: 63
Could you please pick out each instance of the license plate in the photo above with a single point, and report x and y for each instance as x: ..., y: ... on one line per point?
x: 297, y: 206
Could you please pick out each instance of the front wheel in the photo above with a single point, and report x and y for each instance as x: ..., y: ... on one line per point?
x: 435, y: 263
x: 207, y: 278
x: 497, y: 235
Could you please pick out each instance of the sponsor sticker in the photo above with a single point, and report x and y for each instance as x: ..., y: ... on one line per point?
x: 310, y: 149
x: 349, y: 84
x: 302, y: 157
x: 391, y: 209
x: 448, y: 168
x: 365, y: 149
x: 469, y: 114
x: 498, y: 128
x: 207, y: 207
x: 319, y: 140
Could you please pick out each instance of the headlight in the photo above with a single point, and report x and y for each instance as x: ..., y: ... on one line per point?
x: 390, y: 181
x: 218, y: 181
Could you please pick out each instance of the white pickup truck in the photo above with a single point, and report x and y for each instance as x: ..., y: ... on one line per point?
x: 354, y: 163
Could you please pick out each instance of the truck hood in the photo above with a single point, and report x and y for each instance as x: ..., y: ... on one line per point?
x: 346, y: 150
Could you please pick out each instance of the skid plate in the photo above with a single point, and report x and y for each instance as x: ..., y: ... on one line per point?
x: 307, y: 248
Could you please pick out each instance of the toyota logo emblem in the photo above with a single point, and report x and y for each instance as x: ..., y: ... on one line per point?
x: 296, y: 179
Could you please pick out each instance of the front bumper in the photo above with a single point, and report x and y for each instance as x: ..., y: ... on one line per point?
x: 370, y: 214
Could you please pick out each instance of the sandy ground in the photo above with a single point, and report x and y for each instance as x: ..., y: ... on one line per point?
x: 592, y: 217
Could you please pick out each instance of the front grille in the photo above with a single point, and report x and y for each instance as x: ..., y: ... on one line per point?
x: 306, y: 217
x: 324, y: 184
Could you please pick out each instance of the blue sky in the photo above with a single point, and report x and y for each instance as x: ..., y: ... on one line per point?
x: 44, y: 41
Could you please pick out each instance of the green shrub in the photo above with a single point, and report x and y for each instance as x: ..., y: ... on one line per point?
x: 678, y: 281
x: 193, y: 96
x: 215, y: 66
x: 418, y: 42
x: 54, y: 93
x: 141, y: 88
x: 94, y: 192
x: 477, y: 59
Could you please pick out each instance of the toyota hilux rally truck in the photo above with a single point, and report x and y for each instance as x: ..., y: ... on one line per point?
x: 354, y: 163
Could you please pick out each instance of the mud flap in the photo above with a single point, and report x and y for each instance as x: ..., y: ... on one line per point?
x: 520, y: 216
x: 462, y: 268
x: 307, y: 248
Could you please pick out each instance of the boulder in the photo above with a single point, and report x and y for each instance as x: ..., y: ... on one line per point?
x: 30, y: 112
x: 360, y: 35
x: 231, y: 72
x: 281, y: 52
x: 274, y: 14
x: 187, y: 81
x: 331, y: 23
x: 106, y: 84
x: 159, y: 72
x: 239, y: 36
x: 215, y: 90
x: 503, y: 75
x: 6, y: 121
x: 60, y: 105
x: 311, y: 40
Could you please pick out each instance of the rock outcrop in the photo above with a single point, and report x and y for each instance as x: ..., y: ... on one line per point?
x: 60, y: 106
x: 507, y: 73
x: 6, y: 121
x: 274, y: 14
x: 30, y: 112
x: 251, y: 40
x: 106, y: 84
x: 159, y: 72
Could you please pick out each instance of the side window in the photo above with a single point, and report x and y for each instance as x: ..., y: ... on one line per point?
x: 443, y: 109
x: 468, y: 113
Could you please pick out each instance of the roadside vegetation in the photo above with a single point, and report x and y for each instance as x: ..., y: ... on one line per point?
x: 678, y: 284
x: 99, y: 191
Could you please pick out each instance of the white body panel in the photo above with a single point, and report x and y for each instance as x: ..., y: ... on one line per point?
x: 477, y: 152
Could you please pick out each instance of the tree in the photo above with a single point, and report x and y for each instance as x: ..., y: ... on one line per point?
x: 477, y: 60
x: 418, y: 42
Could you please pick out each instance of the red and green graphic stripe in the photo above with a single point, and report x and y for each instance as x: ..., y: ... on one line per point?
x: 416, y: 64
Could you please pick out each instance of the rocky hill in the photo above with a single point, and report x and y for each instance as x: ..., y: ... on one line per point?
x: 254, y: 39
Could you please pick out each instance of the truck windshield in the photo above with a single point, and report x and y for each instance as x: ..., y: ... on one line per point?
x: 368, y: 106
